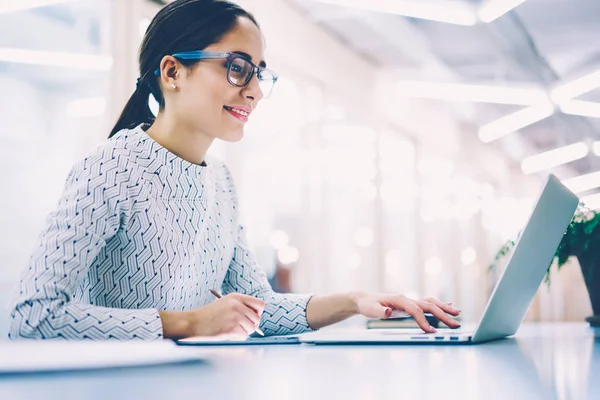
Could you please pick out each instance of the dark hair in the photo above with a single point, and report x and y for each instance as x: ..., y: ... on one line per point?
x: 182, y: 25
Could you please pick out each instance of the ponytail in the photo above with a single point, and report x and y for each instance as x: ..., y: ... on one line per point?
x: 136, y: 110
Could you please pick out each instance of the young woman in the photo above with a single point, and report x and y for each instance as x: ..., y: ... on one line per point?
x: 148, y: 225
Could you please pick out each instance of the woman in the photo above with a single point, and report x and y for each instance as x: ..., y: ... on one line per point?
x: 148, y: 225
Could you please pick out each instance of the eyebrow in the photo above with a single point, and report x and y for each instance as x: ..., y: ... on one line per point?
x: 241, y: 53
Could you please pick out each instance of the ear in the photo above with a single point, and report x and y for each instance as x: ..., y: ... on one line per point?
x: 170, y: 70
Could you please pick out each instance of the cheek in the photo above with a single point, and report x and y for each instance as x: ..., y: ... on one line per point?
x: 204, y: 102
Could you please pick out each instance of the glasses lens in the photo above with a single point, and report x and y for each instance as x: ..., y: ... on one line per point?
x: 266, y: 80
x: 240, y: 72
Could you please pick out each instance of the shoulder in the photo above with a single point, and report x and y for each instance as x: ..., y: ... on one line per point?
x: 223, y: 176
x: 111, y: 158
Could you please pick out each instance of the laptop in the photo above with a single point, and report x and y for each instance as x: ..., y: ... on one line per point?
x: 512, y: 296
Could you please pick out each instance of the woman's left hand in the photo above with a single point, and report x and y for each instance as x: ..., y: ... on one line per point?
x: 382, y: 305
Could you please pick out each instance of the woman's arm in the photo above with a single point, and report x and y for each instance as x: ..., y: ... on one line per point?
x: 326, y: 310
x: 88, y: 214
x: 236, y: 315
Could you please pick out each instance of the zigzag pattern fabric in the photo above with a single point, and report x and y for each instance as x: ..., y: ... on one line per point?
x: 137, y: 230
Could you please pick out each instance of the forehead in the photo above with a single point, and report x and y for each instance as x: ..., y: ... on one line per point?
x: 244, y: 37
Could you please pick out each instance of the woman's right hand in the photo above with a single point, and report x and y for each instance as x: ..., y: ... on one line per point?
x: 235, y: 315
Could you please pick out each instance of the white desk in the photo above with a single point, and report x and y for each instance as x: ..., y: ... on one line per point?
x: 560, y: 361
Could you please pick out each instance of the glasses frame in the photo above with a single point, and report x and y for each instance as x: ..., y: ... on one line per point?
x: 230, y: 57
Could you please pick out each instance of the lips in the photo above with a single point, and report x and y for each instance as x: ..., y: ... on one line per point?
x: 244, y: 109
x: 240, y: 113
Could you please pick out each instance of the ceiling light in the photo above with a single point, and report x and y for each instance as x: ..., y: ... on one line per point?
x: 7, y: 6
x: 494, y: 9
x: 515, y: 121
x: 472, y: 93
x: 554, y: 158
x: 456, y: 13
x: 580, y: 107
x: 575, y: 88
x: 56, y: 59
x: 583, y: 182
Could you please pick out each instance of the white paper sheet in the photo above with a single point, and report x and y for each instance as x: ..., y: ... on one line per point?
x: 34, y: 356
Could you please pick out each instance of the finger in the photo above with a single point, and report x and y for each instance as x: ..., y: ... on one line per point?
x: 242, y: 308
x: 446, y: 307
x: 254, y: 322
x: 252, y: 316
x: 248, y: 326
x: 438, y: 313
x: 247, y: 312
x: 417, y: 313
x: 380, y: 312
x: 253, y: 302
x: 387, y: 312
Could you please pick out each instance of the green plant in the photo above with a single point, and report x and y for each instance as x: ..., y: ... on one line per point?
x: 580, y: 239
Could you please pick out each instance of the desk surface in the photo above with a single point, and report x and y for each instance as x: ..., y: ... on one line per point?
x: 551, y: 361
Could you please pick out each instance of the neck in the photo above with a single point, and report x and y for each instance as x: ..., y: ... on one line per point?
x: 180, y: 139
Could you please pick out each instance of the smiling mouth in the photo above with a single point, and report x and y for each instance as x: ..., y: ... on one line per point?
x: 237, y: 111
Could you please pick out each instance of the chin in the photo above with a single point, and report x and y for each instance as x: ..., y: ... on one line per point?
x: 232, y: 136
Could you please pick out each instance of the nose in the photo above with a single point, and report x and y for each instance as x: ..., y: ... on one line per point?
x: 253, y: 91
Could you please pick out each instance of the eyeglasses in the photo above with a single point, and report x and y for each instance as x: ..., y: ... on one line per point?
x: 240, y: 70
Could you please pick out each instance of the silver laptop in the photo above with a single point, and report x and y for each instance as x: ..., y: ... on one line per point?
x: 512, y: 296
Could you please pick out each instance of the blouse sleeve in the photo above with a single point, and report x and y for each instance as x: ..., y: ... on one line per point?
x: 284, y: 313
x: 88, y: 214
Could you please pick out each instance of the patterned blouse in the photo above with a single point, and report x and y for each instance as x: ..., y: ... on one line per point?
x: 137, y: 230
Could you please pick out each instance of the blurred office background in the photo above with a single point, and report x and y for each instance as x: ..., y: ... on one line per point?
x: 403, y: 145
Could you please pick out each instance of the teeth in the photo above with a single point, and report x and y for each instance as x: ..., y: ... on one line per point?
x: 244, y: 113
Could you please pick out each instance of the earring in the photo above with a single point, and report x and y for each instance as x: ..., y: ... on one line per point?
x: 173, y: 86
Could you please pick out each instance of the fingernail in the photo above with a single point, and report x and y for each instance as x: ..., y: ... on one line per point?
x: 432, y: 329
